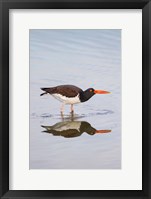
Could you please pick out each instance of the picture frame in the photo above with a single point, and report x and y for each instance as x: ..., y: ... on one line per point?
x: 4, y: 103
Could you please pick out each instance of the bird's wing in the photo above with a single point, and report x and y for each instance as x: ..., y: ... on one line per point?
x: 65, y: 90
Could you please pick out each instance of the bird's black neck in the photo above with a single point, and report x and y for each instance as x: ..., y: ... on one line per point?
x: 85, y: 95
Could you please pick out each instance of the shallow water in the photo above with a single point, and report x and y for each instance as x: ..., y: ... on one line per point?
x: 91, y: 138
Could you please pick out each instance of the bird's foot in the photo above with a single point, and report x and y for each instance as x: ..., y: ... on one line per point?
x: 72, y: 115
x: 62, y: 115
x: 72, y: 110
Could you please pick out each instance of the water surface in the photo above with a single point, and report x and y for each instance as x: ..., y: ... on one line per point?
x: 91, y: 138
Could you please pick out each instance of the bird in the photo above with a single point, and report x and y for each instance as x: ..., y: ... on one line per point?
x: 70, y: 94
x: 71, y: 129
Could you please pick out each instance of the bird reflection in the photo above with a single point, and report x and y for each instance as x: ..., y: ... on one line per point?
x: 70, y: 129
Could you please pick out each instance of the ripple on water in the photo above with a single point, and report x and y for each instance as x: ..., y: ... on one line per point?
x: 71, y: 116
x: 104, y: 112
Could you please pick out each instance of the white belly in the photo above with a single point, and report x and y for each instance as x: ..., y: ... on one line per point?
x: 67, y: 100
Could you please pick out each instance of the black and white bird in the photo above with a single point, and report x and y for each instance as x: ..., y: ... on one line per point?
x: 70, y: 129
x: 70, y: 94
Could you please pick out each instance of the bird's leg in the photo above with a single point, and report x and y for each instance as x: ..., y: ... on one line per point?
x: 62, y: 117
x: 62, y: 108
x: 72, y: 113
x: 72, y: 110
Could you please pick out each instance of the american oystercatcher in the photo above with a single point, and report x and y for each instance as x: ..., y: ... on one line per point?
x: 70, y: 129
x: 69, y: 94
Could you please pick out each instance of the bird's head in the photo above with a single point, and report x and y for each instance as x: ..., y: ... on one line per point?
x: 92, y: 91
x: 87, y: 94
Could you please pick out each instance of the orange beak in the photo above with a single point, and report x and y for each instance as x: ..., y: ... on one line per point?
x: 101, y: 92
x: 102, y: 131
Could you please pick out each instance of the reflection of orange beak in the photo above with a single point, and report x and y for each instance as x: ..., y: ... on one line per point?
x: 101, y: 92
x: 102, y: 131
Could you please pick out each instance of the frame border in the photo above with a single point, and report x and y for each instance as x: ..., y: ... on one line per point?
x: 5, y: 5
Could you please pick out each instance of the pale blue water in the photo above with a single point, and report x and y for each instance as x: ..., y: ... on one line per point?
x: 85, y: 58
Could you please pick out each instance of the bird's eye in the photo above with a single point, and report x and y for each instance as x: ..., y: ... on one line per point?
x: 90, y: 90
